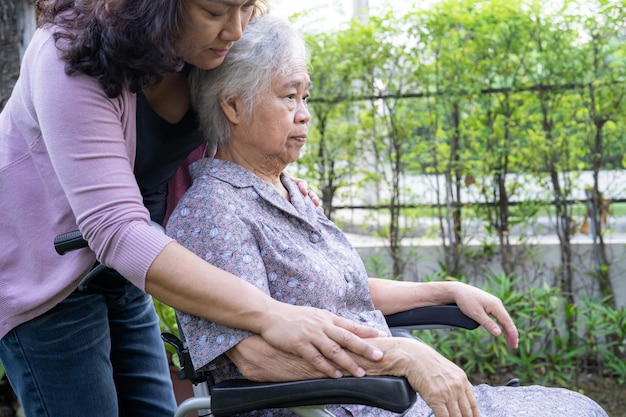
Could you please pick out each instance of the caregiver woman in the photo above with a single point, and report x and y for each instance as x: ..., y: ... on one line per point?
x: 95, y: 73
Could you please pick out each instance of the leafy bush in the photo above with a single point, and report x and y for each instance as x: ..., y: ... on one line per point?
x: 548, y: 353
x: 168, y: 324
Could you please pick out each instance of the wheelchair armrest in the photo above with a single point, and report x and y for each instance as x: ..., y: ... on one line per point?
x: 431, y: 317
x: 386, y: 392
x: 240, y: 396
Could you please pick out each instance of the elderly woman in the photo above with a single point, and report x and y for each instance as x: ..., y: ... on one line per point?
x: 245, y: 215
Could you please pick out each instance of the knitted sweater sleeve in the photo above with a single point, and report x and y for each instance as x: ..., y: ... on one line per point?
x: 91, y: 141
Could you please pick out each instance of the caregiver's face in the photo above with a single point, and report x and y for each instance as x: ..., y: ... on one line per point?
x: 212, y: 26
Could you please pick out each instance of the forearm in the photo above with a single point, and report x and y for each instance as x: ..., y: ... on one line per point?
x: 394, y: 296
x: 258, y: 361
x: 186, y: 282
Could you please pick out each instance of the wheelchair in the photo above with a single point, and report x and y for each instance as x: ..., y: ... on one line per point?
x: 305, y: 398
x: 308, y: 398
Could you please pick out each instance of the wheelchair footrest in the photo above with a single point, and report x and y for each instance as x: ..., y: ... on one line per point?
x: 240, y: 396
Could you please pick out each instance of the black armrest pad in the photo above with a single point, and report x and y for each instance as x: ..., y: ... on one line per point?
x: 240, y: 396
x: 431, y: 317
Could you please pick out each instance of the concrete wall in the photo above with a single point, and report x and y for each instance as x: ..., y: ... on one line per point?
x: 536, y: 265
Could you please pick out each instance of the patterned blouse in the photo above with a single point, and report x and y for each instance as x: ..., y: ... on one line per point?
x: 239, y: 223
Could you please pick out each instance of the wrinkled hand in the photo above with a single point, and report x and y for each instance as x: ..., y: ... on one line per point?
x: 320, y: 337
x: 484, y: 308
x: 442, y: 384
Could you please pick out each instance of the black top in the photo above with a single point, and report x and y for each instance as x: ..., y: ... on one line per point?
x: 161, y: 148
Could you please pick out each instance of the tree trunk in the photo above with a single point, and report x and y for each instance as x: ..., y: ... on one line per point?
x: 17, y: 23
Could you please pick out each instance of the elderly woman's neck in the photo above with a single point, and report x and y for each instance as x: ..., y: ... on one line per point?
x: 267, y: 170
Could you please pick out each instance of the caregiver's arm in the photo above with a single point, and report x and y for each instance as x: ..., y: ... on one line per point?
x: 186, y: 282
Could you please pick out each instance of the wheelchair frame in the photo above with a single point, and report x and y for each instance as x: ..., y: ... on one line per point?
x: 308, y: 398
x: 305, y: 398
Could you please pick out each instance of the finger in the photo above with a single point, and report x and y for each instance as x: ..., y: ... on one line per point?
x: 315, y: 199
x: 468, y: 405
x: 512, y: 336
x: 490, y: 325
x: 510, y: 330
x: 474, y: 406
x: 358, y: 329
x: 440, y: 410
x: 505, y: 320
x: 463, y: 406
x: 304, y: 187
x: 350, y: 335
x: 318, y: 359
x: 458, y: 408
x: 334, y: 353
x: 337, y: 352
x: 454, y: 410
x: 328, y: 352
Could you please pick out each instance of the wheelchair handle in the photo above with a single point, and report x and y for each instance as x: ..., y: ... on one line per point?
x: 69, y: 241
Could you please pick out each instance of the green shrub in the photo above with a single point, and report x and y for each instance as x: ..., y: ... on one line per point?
x: 549, y: 353
x: 168, y: 324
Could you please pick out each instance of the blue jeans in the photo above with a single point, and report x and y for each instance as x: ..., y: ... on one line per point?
x: 92, y: 355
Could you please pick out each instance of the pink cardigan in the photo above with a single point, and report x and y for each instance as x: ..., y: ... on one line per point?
x: 66, y: 162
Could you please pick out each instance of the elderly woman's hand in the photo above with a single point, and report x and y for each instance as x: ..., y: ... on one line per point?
x: 441, y: 383
x: 484, y: 308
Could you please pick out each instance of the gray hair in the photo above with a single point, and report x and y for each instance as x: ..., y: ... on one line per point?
x: 267, y: 49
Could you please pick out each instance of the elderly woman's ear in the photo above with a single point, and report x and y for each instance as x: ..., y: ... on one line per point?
x: 233, y: 109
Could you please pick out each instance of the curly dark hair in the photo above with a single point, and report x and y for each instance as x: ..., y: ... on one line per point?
x: 121, y: 43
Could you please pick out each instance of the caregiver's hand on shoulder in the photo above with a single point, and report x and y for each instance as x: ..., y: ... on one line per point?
x: 304, y: 189
x: 488, y: 310
x: 320, y: 338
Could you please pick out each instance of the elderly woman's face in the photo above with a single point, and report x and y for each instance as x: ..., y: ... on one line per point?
x: 278, y: 127
x: 212, y: 28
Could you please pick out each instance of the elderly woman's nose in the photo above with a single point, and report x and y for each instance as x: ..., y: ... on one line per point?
x: 303, y: 115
